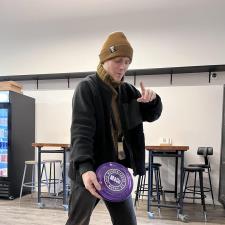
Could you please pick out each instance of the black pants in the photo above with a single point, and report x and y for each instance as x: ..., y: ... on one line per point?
x: 82, y: 204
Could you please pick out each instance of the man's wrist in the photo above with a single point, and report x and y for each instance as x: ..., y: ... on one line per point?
x: 84, y: 167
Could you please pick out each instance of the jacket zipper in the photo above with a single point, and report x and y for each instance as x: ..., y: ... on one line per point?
x: 123, y: 127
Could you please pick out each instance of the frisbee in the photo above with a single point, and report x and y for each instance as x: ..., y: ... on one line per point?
x: 115, y: 180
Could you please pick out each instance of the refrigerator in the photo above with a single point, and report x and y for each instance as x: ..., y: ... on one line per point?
x: 17, y: 133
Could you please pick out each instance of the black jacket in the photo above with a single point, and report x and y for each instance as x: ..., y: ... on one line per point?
x: 91, y: 138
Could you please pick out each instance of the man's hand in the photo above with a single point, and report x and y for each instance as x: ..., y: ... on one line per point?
x: 91, y: 183
x: 147, y: 95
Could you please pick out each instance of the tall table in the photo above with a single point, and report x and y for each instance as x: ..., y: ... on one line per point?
x: 167, y: 151
x: 64, y: 148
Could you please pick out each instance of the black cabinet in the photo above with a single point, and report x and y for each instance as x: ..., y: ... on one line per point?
x: 17, y: 133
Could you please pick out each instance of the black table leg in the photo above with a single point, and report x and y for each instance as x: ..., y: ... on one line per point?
x: 181, y: 182
x: 64, y: 177
x: 39, y: 175
x: 150, y: 178
x: 176, y: 174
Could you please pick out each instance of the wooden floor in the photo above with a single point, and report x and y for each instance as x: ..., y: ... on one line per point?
x: 27, y: 212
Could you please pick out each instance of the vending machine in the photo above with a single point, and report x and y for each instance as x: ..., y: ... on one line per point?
x: 3, y: 141
x: 17, y: 133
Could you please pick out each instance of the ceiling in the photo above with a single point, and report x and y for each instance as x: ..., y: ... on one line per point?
x: 28, y: 11
x: 19, y: 15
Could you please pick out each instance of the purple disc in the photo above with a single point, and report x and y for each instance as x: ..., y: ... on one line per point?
x: 115, y: 180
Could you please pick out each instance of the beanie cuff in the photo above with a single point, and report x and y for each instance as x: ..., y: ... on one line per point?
x: 116, y: 51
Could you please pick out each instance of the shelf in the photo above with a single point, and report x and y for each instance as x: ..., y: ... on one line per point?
x: 134, y: 72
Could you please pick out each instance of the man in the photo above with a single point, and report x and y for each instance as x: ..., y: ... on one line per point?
x: 107, y: 126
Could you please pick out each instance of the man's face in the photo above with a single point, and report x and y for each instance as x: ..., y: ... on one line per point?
x: 117, y: 67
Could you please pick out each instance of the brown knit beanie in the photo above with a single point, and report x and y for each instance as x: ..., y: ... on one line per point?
x: 116, y: 45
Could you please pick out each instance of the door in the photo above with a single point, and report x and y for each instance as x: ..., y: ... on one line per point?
x: 4, y: 134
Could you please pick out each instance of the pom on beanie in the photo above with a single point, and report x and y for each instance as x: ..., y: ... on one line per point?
x: 116, y: 45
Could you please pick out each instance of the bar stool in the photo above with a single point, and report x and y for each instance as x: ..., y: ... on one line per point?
x: 205, y: 152
x: 195, y: 193
x: 52, y: 179
x: 142, y: 186
x: 67, y: 179
x: 32, y: 184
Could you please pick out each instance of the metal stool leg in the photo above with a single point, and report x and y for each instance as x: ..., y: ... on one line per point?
x: 143, y: 186
x: 33, y: 179
x: 137, y: 191
x: 210, y: 183
x: 141, y: 192
x: 157, y: 189
x: 160, y: 187
x: 194, y: 187
x: 185, y: 186
x: 52, y: 180
x: 202, y: 194
x: 54, y: 177
x: 50, y: 176
x: 21, y: 188
x: 46, y: 177
x: 60, y: 179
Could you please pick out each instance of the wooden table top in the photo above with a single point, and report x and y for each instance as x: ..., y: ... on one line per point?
x: 167, y: 148
x: 50, y: 145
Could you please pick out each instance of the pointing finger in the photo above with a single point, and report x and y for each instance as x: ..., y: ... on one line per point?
x: 142, y: 87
